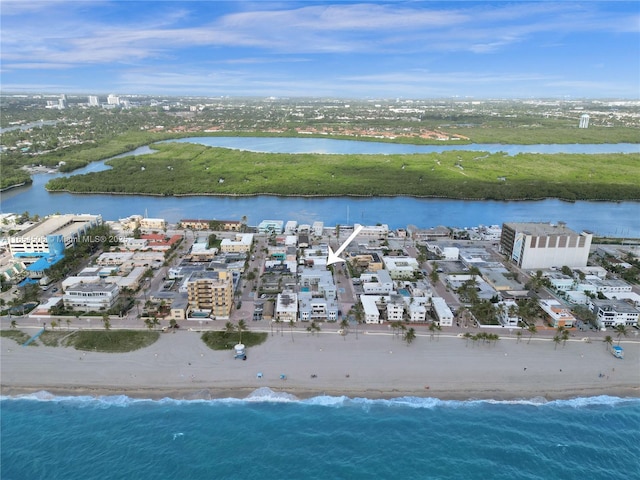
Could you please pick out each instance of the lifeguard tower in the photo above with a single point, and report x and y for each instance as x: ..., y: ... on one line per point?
x: 617, y: 351
x: 239, y: 352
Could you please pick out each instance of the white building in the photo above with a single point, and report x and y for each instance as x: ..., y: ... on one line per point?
x: 584, y: 121
x: 314, y: 308
x: 395, y: 308
x: 444, y: 315
x: 370, y: 307
x: 375, y: 231
x: 287, y: 307
x: 508, y: 313
x: 317, y: 228
x: 417, y: 309
x: 113, y: 99
x: 611, y: 313
x: 113, y: 258
x: 270, y: 226
x: 94, y: 101
x: 290, y: 227
x: 401, y: 267
x: 450, y: 253
x: 90, y: 297
x: 52, y: 235
x: 544, y: 245
x: 378, y: 283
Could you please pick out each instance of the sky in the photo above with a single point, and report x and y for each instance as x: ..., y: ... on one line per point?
x: 385, y: 49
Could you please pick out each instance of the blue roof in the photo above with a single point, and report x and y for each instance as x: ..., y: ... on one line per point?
x: 44, y: 263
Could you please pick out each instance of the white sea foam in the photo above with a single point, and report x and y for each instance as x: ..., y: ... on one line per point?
x: 267, y: 395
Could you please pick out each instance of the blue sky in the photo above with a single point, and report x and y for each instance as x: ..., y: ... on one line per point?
x: 408, y: 49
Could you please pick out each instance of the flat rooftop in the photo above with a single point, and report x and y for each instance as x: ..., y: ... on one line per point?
x: 534, y: 228
x: 59, y: 225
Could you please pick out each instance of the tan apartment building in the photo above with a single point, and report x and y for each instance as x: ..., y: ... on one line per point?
x: 211, y: 291
x: 226, y: 225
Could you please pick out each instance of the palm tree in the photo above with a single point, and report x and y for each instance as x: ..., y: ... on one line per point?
x: 438, y: 329
x: 68, y: 323
x: 518, y: 336
x: 278, y: 322
x: 410, y: 336
x: 565, y: 337
x: 14, y: 324
x: 291, y: 325
x: 608, y: 341
x: 621, y: 331
x: 532, y: 331
x: 344, y: 325
x: 229, y: 328
x: 313, y: 328
x: 432, y: 330
x: 106, y: 322
x: 556, y: 340
x: 242, y: 327
x: 467, y: 336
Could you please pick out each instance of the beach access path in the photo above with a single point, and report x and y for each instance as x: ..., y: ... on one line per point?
x: 374, y: 365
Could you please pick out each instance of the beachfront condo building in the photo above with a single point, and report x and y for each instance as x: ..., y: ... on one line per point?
x: 544, y: 245
x: 212, y: 292
x: 287, y: 307
x: 611, y: 313
x: 91, y: 296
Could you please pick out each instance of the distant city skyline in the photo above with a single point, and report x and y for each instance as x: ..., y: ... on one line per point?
x: 412, y: 49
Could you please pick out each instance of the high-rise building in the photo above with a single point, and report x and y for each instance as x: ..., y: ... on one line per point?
x: 544, y: 245
x: 113, y: 99
x: 211, y: 291
x: 94, y: 101
x: 584, y: 121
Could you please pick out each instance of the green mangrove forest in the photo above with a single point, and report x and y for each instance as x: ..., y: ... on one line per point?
x: 186, y: 169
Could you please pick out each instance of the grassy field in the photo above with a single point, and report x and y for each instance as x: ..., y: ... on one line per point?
x: 113, y: 341
x: 226, y: 341
x: 16, y: 335
x: 186, y: 169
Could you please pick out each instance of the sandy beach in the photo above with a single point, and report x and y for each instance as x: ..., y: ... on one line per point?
x: 375, y: 365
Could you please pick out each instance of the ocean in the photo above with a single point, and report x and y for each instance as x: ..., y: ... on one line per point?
x: 275, y: 436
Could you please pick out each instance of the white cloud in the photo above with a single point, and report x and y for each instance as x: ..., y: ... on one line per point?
x: 65, y: 35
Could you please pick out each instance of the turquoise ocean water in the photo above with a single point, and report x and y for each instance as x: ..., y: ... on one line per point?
x: 274, y: 436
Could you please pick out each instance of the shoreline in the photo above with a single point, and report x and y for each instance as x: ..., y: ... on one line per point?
x: 375, y: 366
x: 347, y: 195
x: 245, y: 393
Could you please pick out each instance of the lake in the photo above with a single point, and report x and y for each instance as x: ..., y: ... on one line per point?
x: 603, y: 218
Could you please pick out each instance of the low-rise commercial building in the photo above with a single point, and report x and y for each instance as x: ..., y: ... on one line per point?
x: 611, y: 313
x: 557, y: 314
